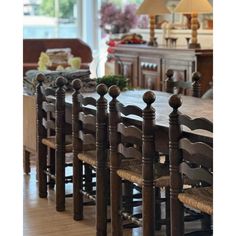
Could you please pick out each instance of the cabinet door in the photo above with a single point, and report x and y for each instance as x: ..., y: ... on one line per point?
x: 150, y: 73
x: 127, y: 66
x: 183, y: 70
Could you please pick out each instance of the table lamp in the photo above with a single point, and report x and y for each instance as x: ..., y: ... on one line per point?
x: 152, y: 8
x: 194, y: 7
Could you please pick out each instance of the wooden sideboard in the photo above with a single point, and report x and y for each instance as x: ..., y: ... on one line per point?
x: 145, y: 66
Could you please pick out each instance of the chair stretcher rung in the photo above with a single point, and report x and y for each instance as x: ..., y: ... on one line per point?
x: 50, y: 175
x: 89, y: 196
x: 131, y: 217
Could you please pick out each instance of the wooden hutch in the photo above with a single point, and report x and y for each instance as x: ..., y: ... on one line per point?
x: 145, y: 66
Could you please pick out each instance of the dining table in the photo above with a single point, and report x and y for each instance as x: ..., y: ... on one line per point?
x: 191, y: 106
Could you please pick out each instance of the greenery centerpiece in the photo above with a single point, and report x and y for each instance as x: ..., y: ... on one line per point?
x: 109, y: 80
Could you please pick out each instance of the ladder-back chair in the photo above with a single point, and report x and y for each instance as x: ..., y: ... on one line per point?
x: 192, y: 159
x: 181, y: 86
x: 53, y: 140
x: 90, y: 145
x: 134, y: 141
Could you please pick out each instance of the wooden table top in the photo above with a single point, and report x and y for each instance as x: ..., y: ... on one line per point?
x: 191, y: 106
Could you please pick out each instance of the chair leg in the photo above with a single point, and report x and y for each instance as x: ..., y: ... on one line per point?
x: 157, y: 209
x: 128, y: 193
x: 116, y: 203
x: 42, y: 166
x: 206, y: 222
x: 88, y: 178
x: 52, y: 167
x: 26, y: 162
x: 176, y: 215
x: 167, y: 195
x: 77, y: 186
x: 60, y: 180
x: 101, y: 201
x: 148, y: 210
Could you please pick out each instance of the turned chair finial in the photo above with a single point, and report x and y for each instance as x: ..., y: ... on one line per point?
x: 60, y: 81
x: 196, y: 76
x: 114, y: 91
x: 175, y: 101
x: 40, y: 77
x: 169, y: 73
x: 101, y: 89
x: 149, y: 97
x: 76, y: 84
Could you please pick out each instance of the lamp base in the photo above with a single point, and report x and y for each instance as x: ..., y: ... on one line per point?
x: 153, y: 43
x: 194, y: 45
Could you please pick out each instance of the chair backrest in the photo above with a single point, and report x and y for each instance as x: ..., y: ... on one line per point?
x: 181, y: 87
x: 89, y: 119
x: 50, y: 109
x: 131, y: 139
x: 187, y: 157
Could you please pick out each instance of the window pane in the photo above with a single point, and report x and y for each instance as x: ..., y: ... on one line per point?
x: 49, y: 19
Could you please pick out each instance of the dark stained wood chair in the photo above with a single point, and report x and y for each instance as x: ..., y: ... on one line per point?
x: 181, y: 86
x: 90, y: 146
x: 53, y: 140
x: 192, y: 159
x: 209, y: 93
x: 133, y: 157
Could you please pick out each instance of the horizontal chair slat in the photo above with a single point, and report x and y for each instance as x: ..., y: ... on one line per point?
x: 87, y: 138
x: 48, y: 124
x: 194, y: 124
x: 199, y: 152
x: 197, y: 173
x: 48, y: 107
x: 89, y: 101
x: 129, y: 110
x: 129, y: 152
x: 129, y: 131
x: 87, y: 119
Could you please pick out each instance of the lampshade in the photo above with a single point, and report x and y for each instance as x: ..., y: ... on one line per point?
x: 193, y: 6
x: 152, y: 8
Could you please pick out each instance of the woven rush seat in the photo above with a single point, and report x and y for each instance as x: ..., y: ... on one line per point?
x: 51, y: 143
x: 133, y: 173
x: 89, y: 157
x: 198, y: 198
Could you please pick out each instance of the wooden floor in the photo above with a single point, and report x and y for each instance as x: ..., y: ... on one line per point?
x: 41, y: 219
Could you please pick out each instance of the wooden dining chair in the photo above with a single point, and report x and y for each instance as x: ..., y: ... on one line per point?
x: 90, y: 146
x: 209, y: 93
x: 134, y: 142
x: 192, y: 159
x: 181, y: 86
x: 53, y: 140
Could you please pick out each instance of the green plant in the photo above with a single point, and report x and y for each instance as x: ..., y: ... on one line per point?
x: 109, y: 80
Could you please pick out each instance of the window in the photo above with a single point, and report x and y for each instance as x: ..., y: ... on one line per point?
x: 123, y: 2
x: 50, y: 19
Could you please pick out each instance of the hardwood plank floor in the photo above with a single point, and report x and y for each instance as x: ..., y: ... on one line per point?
x: 40, y: 217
